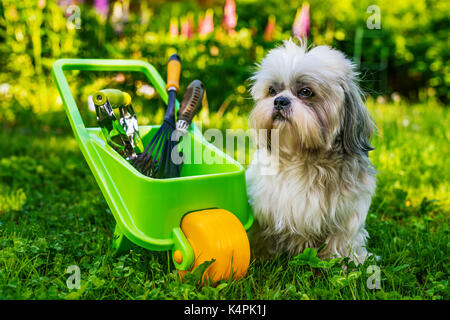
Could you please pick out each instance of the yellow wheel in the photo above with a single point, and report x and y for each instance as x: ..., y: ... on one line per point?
x: 218, y: 234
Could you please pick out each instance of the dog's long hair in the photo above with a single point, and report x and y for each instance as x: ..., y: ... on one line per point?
x: 323, y: 187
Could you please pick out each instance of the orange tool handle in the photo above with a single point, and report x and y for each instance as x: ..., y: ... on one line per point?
x: 173, y: 73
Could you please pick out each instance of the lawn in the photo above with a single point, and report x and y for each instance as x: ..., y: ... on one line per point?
x: 53, y: 215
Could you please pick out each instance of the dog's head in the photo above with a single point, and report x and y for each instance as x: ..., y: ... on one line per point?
x: 312, y: 97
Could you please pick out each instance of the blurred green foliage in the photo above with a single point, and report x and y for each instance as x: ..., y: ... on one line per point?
x: 34, y: 33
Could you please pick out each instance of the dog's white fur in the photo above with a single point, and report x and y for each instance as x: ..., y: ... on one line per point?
x: 323, y: 187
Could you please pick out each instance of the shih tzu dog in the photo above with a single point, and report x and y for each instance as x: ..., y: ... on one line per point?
x: 322, y: 187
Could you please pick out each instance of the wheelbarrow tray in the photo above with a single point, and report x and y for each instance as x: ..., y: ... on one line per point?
x: 147, y: 211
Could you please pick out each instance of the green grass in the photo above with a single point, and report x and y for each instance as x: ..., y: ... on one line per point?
x: 53, y: 215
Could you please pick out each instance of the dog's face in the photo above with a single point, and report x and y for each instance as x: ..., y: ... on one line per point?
x: 311, y: 97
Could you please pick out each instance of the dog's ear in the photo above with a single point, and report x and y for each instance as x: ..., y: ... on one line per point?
x: 357, y: 127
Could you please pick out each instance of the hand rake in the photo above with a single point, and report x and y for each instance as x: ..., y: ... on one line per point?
x: 156, y: 161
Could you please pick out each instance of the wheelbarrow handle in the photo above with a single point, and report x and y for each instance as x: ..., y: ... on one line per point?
x: 98, y: 65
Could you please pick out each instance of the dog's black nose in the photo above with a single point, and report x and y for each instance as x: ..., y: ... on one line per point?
x: 281, y: 103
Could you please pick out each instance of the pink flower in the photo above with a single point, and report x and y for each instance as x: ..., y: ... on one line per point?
x: 120, y: 77
x: 270, y: 29
x: 300, y: 28
x: 207, y: 23
x: 173, y: 29
x: 102, y: 7
x: 187, y: 26
x: 230, y: 18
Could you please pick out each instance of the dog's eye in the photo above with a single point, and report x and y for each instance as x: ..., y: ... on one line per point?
x: 305, y: 92
x: 272, y: 91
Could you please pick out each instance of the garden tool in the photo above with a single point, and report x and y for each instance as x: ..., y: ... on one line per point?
x: 128, y: 119
x: 156, y: 161
x: 189, y: 105
x: 122, y: 135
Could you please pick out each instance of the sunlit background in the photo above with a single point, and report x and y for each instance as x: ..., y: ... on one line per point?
x: 406, y: 57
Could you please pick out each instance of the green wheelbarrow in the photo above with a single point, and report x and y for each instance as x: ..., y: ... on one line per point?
x: 200, y: 216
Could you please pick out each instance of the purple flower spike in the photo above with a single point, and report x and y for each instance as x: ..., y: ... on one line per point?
x: 101, y: 6
x: 300, y: 28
